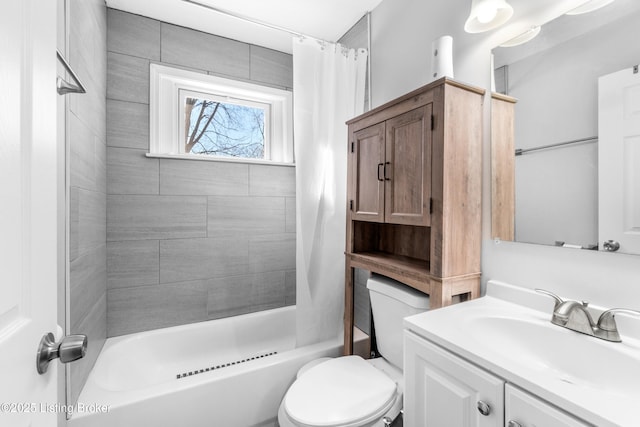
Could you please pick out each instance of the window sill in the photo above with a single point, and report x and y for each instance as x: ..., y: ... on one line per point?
x: 217, y: 159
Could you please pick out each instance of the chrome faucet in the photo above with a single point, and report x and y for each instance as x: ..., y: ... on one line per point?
x: 575, y: 316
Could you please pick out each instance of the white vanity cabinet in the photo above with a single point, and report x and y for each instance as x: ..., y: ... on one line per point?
x: 500, y: 355
x: 525, y: 410
x: 444, y: 390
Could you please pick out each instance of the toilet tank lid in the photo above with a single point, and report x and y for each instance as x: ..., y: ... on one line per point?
x: 398, y: 291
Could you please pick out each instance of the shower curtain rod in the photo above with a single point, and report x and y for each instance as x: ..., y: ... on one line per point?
x: 252, y: 21
x: 294, y: 33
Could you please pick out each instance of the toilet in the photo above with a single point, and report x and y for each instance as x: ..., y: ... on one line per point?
x: 350, y: 391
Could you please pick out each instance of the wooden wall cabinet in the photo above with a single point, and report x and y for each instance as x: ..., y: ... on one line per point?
x: 390, y: 166
x: 414, y: 193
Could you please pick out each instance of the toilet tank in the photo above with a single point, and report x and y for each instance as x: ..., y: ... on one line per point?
x: 391, y: 302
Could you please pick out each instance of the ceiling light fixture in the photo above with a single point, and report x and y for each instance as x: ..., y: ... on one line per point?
x: 487, y: 14
x: 522, y: 38
x: 589, y: 6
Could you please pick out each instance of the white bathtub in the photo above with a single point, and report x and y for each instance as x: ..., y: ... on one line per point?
x: 136, y: 376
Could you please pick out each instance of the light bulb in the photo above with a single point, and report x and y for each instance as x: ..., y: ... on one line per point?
x: 486, y: 13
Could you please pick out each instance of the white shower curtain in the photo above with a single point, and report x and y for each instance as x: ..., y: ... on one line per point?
x: 328, y: 89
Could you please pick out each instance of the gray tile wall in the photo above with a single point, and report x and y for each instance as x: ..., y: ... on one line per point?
x: 189, y: 240
x: 86, y: 136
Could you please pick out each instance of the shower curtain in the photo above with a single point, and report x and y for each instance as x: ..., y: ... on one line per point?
x: 328, y: 89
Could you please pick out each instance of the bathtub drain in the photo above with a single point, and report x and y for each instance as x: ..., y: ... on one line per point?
x: 223, y: 365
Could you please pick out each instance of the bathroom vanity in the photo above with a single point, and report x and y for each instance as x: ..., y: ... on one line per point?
x: 498, y: 361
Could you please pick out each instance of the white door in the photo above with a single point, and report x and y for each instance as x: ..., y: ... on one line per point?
x: 619, y: 159
x: 28, y: 209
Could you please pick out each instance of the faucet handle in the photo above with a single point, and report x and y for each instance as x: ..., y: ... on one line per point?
x: 552, y: 295
x: 607, y: 322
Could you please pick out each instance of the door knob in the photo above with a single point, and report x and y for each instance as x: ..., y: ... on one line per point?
x: 611, y: 245
x: 68, y: 349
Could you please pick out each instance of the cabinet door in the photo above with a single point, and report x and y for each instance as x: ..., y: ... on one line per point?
x: 525, y: 410
x: 442, y: 390
x: 367, y: 164
x: 408, y: 168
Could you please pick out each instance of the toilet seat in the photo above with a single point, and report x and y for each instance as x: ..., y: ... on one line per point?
x: 342, y: 392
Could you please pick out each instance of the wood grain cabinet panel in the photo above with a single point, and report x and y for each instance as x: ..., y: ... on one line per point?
x: 408, y: 168
x: 503, y: 202
x: 368, y: 168
x: 414, y: 193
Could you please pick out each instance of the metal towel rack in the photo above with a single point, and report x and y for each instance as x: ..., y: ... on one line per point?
x: 63, y: 86
x: 521, y: 151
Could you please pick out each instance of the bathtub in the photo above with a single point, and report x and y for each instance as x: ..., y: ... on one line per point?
x: 230, y: 372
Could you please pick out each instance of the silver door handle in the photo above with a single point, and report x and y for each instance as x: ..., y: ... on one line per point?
x: 68, y: 349
x: 611, y: 245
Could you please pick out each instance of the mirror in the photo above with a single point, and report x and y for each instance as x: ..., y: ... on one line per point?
x: 554, y: 179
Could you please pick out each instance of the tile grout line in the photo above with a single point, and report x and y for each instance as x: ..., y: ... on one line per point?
x: 159, y: 260
x: 206, y: 213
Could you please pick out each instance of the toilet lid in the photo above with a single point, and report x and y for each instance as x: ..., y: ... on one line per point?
x: 339, y: 392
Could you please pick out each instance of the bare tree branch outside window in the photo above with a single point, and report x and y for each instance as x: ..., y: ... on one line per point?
x: 224, y: 129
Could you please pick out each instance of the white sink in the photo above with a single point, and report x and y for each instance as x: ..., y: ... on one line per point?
x: 509, y: 333
x: 567, y: 355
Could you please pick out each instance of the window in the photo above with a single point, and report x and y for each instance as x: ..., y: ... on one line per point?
x: 195, y: 114
x: 224, y: 127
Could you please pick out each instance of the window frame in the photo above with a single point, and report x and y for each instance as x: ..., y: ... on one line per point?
x: 166, y: 112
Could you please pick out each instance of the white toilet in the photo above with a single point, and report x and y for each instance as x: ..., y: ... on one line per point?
x: 350, y: 391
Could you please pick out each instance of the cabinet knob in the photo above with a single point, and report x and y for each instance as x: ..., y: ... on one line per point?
x: 484, y: 408
x: 512, y: 423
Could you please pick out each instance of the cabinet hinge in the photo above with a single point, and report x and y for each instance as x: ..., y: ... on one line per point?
x: 430, y: 205
x: 353, y: 146
x: 350, y: 204
x: 433, y: 122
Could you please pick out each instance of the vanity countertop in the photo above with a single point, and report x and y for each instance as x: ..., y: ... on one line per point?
x: 508, y: 332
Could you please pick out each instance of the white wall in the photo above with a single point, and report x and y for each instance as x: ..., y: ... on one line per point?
x: 402, y: 31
